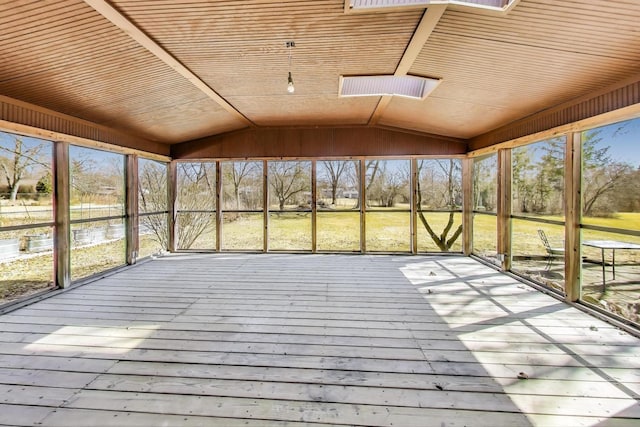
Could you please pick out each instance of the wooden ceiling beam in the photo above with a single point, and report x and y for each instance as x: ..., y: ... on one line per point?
x: 429, y: 20
x: 120, y: 21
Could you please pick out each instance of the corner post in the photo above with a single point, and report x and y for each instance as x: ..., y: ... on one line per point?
x: 61, y: 202
x: 504, y: 208
x: 414, y: 206
x: 467, y: 206
x: 573, y: 216
x: 131, y: 218
x: 172, y: 197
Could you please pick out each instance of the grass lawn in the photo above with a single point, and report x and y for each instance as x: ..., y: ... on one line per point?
x: 386, y: 231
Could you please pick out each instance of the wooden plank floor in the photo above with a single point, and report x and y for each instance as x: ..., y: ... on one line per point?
x: 278, y: 339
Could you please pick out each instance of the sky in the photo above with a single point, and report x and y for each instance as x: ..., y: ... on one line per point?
x: 624, y: 140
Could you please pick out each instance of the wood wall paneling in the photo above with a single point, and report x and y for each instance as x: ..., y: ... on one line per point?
x: 317, y: 143
x: 618, y: 103
x: 21, y: 117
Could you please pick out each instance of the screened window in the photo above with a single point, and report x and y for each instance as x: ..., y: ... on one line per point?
x: 97, y: 190
x: 26, y: 216
x: 338, y: 205
x: 485, y: 200
x: 196, y: 205
x: 439, y: 205
x: 388, y: 205
x: 611, y: 218
x: 289, y: 205
x: 152, y: 207
x: 242, y: 206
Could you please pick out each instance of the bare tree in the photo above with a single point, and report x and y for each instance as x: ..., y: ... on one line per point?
x: 196, y: 201
x: 335, y: 170
x: 601, y: 181
x: 600, y: 174
x: 20, y: 161
x: 152, y: 198
x: 484, y: 182
x: 236, y: 173
x: 450, y: 170
x: 287, y: 179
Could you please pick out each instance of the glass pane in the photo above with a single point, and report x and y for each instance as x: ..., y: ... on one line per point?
x: 538, y: 179
x: 289, y: 205
x: 388, y: 184
x: 242, y: 186
x: 338, y: 205
x: 152, y: 234
x: 152, y: 186
x: 337, y: 184
x: 26, y: 262
x: 485, y: 184
x: 242, y: 231
x: 485, y: 199
x: 338, y: 231
x: 388, y: 231
x: 290, y: 231
x: 196, y: 230
x: 611, y: 272
x: 289, y: 186
x: 611, y: 175
x: 196, y: 205
x: 439, y: 192
x: 610, y: 188
x: 97, y: 183
x: 26, y: 188
x: 96, y: 246
x: 538, y: 252
x: 484, y: 236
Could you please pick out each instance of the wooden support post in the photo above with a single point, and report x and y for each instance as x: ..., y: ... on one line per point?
x: 573, y: 216
x: 314, y: 206
x: 363, y: 203
x: 131, y: 200
x: 265, y: 206
x: 218, y: 206
x: 414, y: 206
x: 504, y: 208
x: 467, y: 206
x: 61, y: 202
x: 172, y: 196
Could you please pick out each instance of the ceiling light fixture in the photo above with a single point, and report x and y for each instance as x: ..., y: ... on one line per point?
x: 290, y: 87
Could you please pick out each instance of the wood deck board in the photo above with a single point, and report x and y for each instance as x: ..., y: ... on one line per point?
x: 270, y: 339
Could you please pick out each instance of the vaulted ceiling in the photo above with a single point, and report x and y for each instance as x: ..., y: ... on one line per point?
x: 175, y: 71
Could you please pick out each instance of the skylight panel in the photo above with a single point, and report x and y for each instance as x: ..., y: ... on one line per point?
x: 413, y: 87
x: 365, y: 5
x: 376, y: 4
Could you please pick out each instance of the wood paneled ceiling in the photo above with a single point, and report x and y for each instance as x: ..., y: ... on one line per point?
x: 175, y: 71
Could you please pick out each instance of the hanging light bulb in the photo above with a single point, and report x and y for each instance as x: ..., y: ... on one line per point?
x: 290, y: 87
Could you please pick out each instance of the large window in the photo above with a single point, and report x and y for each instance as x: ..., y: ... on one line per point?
x: 196, y: 205
x: 388, y: 205
x: 97, y: 210
x: 152, y: 207
x: 485, y: 206
x: 537, y: 194
x: 289, y: 205
x: 242, y: 206
x: 338, y: 205
x: 611, y: 218
x: 439, y: 205
x: 26, y: 216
